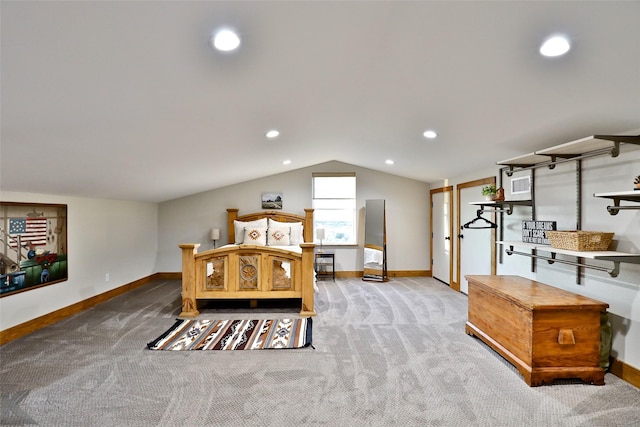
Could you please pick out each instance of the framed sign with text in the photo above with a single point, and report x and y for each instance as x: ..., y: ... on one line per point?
x: 534, y: 231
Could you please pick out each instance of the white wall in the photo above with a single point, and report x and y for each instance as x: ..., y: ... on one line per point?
x: 104, y: 236
x: 189, y: 219
x: 556, y: 201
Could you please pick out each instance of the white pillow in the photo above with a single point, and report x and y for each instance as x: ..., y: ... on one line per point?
x: 239, y: 227
x: 295, y: 237
x: 255, y: 236
x: 278, y: 236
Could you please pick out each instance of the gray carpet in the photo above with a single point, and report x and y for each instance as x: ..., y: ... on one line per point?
x: 386, y: 354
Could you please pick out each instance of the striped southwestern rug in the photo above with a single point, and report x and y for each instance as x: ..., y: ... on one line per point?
x: 200, y: 334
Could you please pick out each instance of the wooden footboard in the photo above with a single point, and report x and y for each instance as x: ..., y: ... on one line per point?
x: 249, y: 272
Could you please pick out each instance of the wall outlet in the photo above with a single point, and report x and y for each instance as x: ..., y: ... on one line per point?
x: 106, y: 277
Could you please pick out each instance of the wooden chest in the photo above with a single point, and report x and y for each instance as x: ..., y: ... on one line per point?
x: 545, y: 332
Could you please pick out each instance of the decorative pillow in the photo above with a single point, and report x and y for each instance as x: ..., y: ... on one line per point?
x: 239, y: 227
x: 295, y: 237
x: 255, y: 236
x: 278, y: 236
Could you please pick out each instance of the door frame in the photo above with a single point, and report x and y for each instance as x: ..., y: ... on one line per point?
x: 447, y: 189
x: 463, y: 185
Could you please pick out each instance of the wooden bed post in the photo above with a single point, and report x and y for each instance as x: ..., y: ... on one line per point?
x: 308, y: 279
x: 232, y: 214
x: 308, y: 307
x: 189, y: 305
x: 308, y: 225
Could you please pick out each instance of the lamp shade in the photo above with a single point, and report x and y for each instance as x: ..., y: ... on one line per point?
x: 320, y: 233
x: 215, y: 234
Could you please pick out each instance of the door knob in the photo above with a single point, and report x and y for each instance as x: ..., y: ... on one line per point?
x: 460, y: 236
x: 447, y: 238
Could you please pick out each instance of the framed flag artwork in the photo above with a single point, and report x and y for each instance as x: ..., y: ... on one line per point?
x: 33, y: 246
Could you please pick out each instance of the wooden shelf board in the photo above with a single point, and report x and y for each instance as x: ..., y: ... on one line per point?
x: 499, y: 203
x: 580, y: 146
x: 604, y: 255
x: 631, y: 195
x: 570, y: 149
x: 627, y: 139
x: 524, y: 160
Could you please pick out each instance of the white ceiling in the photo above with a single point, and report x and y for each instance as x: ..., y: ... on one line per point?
x: 127, y: 100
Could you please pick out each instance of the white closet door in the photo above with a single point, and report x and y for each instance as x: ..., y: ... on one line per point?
x: 441, y: 215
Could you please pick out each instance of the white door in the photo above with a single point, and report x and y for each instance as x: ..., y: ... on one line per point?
x: 476, y: 244
x: 441, y: 236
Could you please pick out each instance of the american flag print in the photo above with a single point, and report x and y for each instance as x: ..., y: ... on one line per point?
x: 32, y: 231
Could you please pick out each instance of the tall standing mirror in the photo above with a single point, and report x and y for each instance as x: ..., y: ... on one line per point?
x: 375, y: 242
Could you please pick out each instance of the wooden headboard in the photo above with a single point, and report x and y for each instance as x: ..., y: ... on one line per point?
x: 306, y: 220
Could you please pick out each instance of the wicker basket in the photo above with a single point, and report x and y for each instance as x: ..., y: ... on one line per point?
x: 577, y: 240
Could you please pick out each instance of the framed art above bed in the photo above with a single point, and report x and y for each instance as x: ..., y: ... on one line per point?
x: 271, y: 200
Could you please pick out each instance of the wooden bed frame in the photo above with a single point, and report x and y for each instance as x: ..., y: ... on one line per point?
x: 250, y: 272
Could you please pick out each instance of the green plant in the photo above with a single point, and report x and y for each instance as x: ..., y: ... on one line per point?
x: 489, y: 190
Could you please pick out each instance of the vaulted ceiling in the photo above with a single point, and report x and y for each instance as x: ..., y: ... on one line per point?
x: 128, y: 100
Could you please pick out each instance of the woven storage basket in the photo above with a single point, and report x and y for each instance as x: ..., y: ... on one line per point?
x: 577, y: 240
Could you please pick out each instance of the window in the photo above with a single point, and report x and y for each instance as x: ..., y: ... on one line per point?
x: 334, y: 204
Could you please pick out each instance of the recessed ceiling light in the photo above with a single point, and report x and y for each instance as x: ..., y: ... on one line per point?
x: 389, y: 162
x: 430, y: 134
x: 273, y: 133
x: 225, y: 40
x: 555, y: 46
x: 286, y: 162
